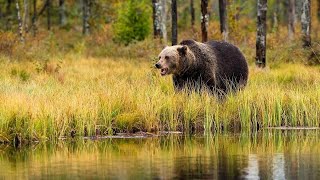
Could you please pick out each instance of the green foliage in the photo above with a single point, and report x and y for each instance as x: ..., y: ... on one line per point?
x: 22, y: 74
x: 133, y: 22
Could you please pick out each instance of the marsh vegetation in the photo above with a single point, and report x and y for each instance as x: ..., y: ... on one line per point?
x: 61, y: 83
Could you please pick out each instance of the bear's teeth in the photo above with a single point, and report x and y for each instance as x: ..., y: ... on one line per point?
x: 164, y: 71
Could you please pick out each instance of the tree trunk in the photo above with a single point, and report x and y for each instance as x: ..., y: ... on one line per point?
x: 261, y: 33
x: 26, y: 16
x: 284, y: 13
x: 8, y: 14
x: 318, y: 10
x: 174, y: 22
x: 19, y: 22
x: 192, y: 12
x: 1, y: 14
x: 204, y: 20
x: 86, y: 16
x: 34, y: 18
x: 291, y: 19
x: 62, y: 13
x: 223, y: 19
x: 49, y: 14
x: 306, y: 23
x: 163, y: 19
x: 156, y: 18
x: 275, y: 18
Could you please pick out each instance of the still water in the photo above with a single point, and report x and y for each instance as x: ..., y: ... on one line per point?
x: 266, y: 155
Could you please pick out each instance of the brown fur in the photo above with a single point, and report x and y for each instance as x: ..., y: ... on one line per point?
x: 217, y: 66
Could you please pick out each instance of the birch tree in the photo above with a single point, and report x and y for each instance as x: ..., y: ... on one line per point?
x: 306, y: 23
x: 86, y: 5
x: 163, y: 21
x: 291, y: 19
x: 261, y: 33
x: 160, y: 19
x: 223, y: 19
x: 62, y: 13
x: 204, y: 20
x: 26, y: 16
x: 19, y: 22
x: 174, y: 20
x: 155, y: 17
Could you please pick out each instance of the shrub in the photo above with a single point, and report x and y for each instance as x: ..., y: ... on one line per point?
x: 7, y: 42
x: 133, y: 22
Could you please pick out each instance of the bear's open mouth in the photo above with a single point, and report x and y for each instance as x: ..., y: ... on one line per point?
x: 164, y: 71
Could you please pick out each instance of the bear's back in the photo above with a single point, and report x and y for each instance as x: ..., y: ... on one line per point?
x: 201, y: 51
x: 231, y: 62
x: 188, y: 42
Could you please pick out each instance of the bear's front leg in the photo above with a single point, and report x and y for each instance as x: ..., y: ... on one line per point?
x: 178, y: 83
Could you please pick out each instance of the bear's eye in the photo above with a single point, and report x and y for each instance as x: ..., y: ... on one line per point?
x: 159, y: 57
x: 166, y: 57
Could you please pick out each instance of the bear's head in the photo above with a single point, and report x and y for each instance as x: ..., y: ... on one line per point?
x: 172, y: 59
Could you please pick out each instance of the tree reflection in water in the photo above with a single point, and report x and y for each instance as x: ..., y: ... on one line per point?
x: 265, y: 155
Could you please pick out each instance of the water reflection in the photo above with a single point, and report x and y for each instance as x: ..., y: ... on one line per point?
x: 266, y: 155
x: 252, y: 171
x: 278, y: 171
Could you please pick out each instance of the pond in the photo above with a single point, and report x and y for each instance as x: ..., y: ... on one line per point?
x: 269, y: 154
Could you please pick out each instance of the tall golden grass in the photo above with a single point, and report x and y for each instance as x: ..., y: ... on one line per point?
x: 89, y: 97
x: 62, y: 84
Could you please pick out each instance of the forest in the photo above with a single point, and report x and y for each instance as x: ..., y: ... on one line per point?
x: 85, y: 67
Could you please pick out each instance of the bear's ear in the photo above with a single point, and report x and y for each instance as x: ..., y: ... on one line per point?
x: 182, y: 50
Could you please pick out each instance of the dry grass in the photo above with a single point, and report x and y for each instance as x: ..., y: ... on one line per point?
x: 102, y: 96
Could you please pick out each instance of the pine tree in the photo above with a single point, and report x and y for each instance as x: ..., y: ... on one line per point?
x: 174, y: 22
x: 48, y: 6
x: 223, y: 19
x: 192, y: 12
x: 34, y: 18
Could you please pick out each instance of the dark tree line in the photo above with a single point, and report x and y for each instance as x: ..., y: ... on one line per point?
x: 26, y: 13
x: 29, y: 7
x: 261, y: 38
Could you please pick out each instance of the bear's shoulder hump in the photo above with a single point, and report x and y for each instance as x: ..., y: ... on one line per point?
x: 188, y: 42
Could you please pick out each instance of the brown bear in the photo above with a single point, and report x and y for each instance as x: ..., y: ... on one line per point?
x: 217, y: 66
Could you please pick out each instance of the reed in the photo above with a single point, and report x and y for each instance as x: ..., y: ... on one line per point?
x: 89, y: 97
